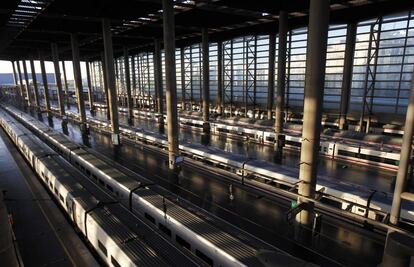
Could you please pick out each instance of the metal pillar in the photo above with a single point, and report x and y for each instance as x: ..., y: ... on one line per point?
x: 347, y: 76
x: 206, y: 81
x: 271, y: 74
x: 65, y: 80
x: 171, y: 86
x: 110, y: 76
x: 19, y: 72
x: 16, y: 81
x: 130, y: 103
x: 106, y: 88
x: 55, y: 57
x: 281, y: 86
x: 78, y: 81
x: 220, y: 78
x: 134, y: 80
x: 44, y: 81
x: 90, y: 89
x: 26, y: 78
x: 158, y: 81
x: 314, y: 83
x: 405, y: 155
x: 35, y: 88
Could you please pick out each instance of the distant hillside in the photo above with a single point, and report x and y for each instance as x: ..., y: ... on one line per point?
x: 7, y: 78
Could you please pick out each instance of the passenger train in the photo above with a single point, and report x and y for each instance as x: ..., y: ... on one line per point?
x: 384, y: 152
x: 356, y: 199
x: 97, y: 220
x: 151, y: 202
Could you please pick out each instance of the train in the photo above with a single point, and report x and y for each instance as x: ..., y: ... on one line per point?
x: 356, y: 199
x: 162, y: 210
x: 372, y: 149
x: 96, y: 218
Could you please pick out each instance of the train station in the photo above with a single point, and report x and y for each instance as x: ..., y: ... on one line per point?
x: 207, y: 133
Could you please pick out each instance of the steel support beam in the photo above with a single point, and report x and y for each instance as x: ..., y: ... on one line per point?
x: 171, y: 86
x: 206, y: 81
x: 55, y: 58
x: 405, y: 156
x: 110, y: 76
x: 347, y: 74
x: 106, y: 87
x: 35, y: 88
x: 26, y: 78
x: 158, y: 81
x: 78, y: 81
x: 130, y: 103
x: 271, y: 75
x: 220, y: 104
x: 90, y: 88
x: 314, y: 84
x: 65, y: 80
x: 281, y: 86
x: 44, y: 81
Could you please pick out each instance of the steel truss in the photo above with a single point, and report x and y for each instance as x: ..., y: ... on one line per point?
x: 371, y: 73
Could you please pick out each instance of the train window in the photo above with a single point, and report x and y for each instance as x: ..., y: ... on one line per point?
x: 51, y: 185
x: 204, y: 257
x: 61, y: 198
x: 114, y: 262
x: 331, y: 202
x: 165, y: 229
x: 110, y: 188
x: 82, y: 168
x: 88, y: 173
x: 102, y: 248
x: 43, y: 175
x: 101, y: 182
x: 56, y: 191
x: 182, y: 242
x: 94, y: 177
x: 47, y: 179
x: 361, y: 210
x: 150, y: 218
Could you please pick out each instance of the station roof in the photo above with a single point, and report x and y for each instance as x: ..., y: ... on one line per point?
x: 29, y: 26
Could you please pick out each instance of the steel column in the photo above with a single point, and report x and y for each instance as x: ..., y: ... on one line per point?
x: 171, y: 86
x: 220, y: 105
x: 90, y: 89
x: 106, y: 87
x: 405, y: 155
x: 314, y: 83
x: 65, y: 80
x: 110, y: 76
x: 44, y: 81
x: 130, y: 104
x: 347, y: 75
x: 271, y: 75
x: 281, y: 86
x: 55, y: 57
x: 35, y: 88
x: 26, y: 78
x: 206, y: 81
x: 78, y: 80
x: 16, y: 82
x: 158, y: 80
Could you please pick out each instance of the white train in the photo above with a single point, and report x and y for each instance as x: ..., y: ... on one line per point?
x: 369, y: 203
x: 151, y: 202
x: 100, y: 223
x: 384, y: 152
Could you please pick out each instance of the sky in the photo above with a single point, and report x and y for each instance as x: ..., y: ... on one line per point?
x: 6, y: 67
